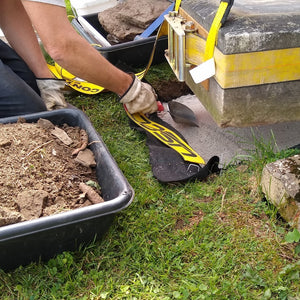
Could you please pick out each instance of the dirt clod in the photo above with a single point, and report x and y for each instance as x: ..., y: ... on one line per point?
x: 31, y: 203
x: 8, y: 216
x: 62, y: 135
x: 168, y: 90
x: 86, y: 158
x: 90, y: 193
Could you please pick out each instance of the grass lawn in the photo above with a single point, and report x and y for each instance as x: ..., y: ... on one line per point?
x: 216, y: 239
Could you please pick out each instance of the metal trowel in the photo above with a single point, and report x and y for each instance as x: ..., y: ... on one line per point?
x: 179, y: 112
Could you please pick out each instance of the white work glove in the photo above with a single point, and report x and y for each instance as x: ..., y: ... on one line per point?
x: 140, y: 97
x: 51, y: 92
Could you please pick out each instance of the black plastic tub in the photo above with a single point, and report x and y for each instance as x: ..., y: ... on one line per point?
x: 43, y: 238
x: 135, y: 53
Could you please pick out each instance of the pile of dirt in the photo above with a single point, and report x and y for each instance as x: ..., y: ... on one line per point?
x: 168, y: 90
x: 130, y: 18
x: 44, y: 170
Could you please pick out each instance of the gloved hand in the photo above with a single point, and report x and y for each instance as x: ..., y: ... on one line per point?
x: 51, y: 92
x: 140, y: 97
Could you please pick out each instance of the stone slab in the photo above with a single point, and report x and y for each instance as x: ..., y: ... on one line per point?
x: 251, y: 105
x: 252, y: 25
x: 130, y: 18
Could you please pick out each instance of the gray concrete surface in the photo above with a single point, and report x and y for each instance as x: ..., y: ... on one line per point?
x: 230, y: 143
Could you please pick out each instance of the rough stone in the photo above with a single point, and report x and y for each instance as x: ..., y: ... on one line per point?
x: 46, y: 124
x: 31, y: 203
x: 8, y: 216
x: 252, y: 25
x: 130, y: 18
x: 62, y: 135
x: 280, y: 183
x: 86, y: 158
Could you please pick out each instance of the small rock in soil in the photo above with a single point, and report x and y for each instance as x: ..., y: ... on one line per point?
x: 8, y: 216
x: 45, y: 124
x: 62, y: 135
x: 86, y: 158
x: 4, y: 143
x: 31, y: 203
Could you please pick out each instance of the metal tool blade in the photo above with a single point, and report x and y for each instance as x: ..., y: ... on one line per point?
x: 181, y: 113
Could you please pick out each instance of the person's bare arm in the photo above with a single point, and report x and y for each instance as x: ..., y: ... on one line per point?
x: 71, y: 51
x: 76, y: 55
x: 18, y: 31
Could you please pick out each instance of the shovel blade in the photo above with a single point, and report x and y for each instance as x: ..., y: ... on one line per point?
x: 182, y: 114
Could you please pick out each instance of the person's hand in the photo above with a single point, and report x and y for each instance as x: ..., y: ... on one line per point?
x: 140, y: 97
x: 51, y: 92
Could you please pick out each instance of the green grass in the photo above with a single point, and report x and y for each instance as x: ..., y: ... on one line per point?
x: 215, y: 239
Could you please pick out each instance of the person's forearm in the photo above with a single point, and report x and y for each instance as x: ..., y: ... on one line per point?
x: 18, y: 31
x: 84, y: 61
x: 71, y: 51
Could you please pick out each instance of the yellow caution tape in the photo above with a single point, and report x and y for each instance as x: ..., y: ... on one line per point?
x: 77, y: 83
x: 84, y: 87
x: 167, y: 137
x: 162, y: 133
x: 54, y: 71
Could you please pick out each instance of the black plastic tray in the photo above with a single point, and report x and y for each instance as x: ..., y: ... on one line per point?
x: 45, y: 237
x: 135, y: 53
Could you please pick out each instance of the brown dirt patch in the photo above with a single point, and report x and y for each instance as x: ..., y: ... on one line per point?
x: 168, y: 90
x: 39, y: 176
x: 191, y: 223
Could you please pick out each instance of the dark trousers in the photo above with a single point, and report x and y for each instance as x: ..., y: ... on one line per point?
x: 19, y: 93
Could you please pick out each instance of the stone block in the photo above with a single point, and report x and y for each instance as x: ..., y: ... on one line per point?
x: 253, y: 29
x: 280, y: 183
x: 130, y: 18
